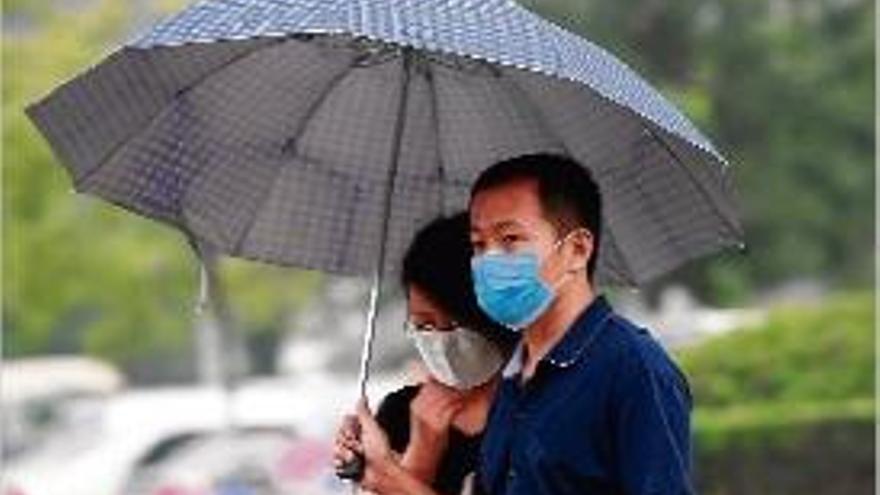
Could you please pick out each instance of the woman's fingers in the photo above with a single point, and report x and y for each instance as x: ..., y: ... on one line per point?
x: 349, y: 428
x: 353, y: 444
x: 436, y: 395
x: 342, y: 455
x: 436, y: 406
x: 364, y: 418
x: 347, y: 443
x: 373, y: 438
x: 348, y: 436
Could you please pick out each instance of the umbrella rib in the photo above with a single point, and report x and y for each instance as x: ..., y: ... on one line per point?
x: 648, y: 207
x: 737, y: 232
x: 293, y: 140
x: 628, y: 275
x: 82, y: 181
x: 435, y: 113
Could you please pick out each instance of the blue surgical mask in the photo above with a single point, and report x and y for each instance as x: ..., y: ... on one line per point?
x: 509, y: 288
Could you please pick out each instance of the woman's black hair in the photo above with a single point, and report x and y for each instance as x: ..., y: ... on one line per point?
x: 438, y: 262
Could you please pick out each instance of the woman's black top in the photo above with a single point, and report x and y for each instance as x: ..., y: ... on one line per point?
x: 462, y: 451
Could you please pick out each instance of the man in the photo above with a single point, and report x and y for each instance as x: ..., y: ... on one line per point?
x: 590, y: 403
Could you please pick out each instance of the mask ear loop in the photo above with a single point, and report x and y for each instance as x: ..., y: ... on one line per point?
x: 567, y: 276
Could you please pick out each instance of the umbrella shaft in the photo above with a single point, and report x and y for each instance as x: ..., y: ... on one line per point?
x: 367, y: 351
x: 376, y: 290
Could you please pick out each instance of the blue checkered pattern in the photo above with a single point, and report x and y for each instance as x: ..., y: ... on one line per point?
x: 498, y: 31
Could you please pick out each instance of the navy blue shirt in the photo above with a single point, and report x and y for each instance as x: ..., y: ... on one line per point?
x: 606, y: 412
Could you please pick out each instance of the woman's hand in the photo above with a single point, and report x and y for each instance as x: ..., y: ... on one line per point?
x: 362, y: 435
x: 383, y: 474
x: 434, y: 408
x: 431, y: 415
x: 347, y: 443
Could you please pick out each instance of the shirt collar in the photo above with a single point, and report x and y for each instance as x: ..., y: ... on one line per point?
x: 515, y: 364
x: 577, y: 339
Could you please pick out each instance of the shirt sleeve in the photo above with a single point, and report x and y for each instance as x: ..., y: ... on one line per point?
x: 652, y: 426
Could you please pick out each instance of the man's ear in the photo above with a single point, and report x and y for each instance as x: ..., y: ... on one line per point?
x: 582, y: 250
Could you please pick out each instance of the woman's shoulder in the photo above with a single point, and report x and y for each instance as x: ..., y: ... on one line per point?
x: 400, y: 398
x: 393, y: 415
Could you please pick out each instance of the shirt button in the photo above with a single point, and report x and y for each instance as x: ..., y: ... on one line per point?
x: 511, y: 473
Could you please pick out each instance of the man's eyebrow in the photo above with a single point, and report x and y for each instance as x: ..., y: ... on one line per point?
x: 506, y: 224
x: 498, y: 226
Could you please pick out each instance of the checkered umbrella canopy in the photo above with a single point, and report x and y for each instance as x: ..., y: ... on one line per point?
x: 310, y: 132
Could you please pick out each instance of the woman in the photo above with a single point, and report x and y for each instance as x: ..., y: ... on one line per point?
x: 425, y: 439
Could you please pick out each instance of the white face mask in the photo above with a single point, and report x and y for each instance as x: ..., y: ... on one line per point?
x: 459, y: 358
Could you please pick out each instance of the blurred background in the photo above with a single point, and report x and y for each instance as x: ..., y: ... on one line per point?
x: 111, y: 384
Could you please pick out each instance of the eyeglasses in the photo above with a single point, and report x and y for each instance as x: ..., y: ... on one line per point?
x: 412, y: 327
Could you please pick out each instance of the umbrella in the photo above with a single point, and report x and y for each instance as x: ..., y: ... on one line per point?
x: 322, y: 133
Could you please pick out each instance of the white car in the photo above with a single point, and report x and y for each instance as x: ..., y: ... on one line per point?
x: 41, y: 395
x: 99, y: 456
x: 252, y: 461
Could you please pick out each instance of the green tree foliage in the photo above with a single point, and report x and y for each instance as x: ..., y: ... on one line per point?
x: 26, y: 7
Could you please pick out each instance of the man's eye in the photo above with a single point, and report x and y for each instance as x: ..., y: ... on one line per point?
x: 478, y: 246
x: 509, y: 239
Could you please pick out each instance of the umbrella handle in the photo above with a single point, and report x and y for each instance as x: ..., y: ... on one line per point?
x: 352, y: 469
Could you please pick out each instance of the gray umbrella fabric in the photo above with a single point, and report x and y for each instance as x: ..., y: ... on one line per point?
x: 278, y: 130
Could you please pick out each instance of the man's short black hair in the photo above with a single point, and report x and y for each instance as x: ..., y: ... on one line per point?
x: 438, y: 262
x: 569, y: 196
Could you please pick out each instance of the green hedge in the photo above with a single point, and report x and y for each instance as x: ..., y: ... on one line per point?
x: 787, y: 408
x: 799, y: 354
x: 816, y: 449
x: 773, y: 423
